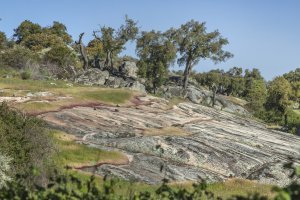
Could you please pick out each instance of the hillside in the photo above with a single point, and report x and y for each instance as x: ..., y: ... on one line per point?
x: 190, y: 141
x: 154, y: 139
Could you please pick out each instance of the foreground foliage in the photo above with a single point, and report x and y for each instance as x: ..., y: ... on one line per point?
x: 25, y: 140
x: 4, y: 168
x: 69, y: 186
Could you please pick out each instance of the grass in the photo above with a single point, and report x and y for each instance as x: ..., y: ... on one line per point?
x: 109, y: 96
x: 63, y: 95
x: 32, y: 85
x: 74, y: 154
x: 240, y: 187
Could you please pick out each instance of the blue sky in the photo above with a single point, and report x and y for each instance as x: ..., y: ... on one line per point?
x: 264, y: 34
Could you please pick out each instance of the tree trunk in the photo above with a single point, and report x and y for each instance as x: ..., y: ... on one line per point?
x: 154, y: 89
x: 108, y: 60
x: 83, y: 52
x: 285, y: 120
x: 186, y: 75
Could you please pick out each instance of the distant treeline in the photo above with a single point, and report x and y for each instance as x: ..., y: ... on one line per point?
x: 275, y: 101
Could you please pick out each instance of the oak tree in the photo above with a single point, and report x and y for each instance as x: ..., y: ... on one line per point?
x: 25, y: 29
x: 156, y: 53
x: 114, y: 41
x: 195, y: 43
x: 3, y: 40
x: 279, y: 93
x: 60, y: 30
x: 83, y: 53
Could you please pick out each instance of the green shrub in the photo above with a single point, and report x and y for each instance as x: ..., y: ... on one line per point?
x: 25, y: 75
x: 3, y: 40
x: 17, y: 57
x: 4, y: 168
x: 71, y: 187
x: 9, y: 72
x: 60, y: 55
x: 293, y: 122
x: 58, y: 61
x: 26, y: 141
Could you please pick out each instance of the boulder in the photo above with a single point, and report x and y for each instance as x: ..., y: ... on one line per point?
x: 128, y: 69
x: 197, y: 95
x: 136, y: 85
x: 95, y: 76
x: 114, y: 82
x: 92, y: 76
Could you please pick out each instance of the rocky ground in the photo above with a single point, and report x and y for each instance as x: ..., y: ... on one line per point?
x: 124, y: 77
x: 182, y: 143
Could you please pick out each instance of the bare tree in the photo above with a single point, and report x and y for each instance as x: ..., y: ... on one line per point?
x: 83, y: 52
x: 114, y: 41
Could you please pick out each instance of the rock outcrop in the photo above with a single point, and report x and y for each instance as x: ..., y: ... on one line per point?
x: 124, y: 79
x: 129, y: 69
x: 199, y: 95
x: 183, y: 143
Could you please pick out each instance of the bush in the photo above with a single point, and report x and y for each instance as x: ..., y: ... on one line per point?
x: 60, y: 55
x: 25, y: 75
x: 40, y: 41
x: 3, y: 40
x: 9, y: 72
x: 18, y: 57
x: 4, y: 168
x: 60, y: 61
x: 70, y: 187
x: 26, y: 141
x: 293, y: 122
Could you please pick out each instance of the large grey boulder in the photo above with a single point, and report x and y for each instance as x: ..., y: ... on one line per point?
x: 197, y: 95
x: 92, y: 76
x: 128, y: 69
x: 95, y: 76
x: 114, y: 82
x: 136, y: 85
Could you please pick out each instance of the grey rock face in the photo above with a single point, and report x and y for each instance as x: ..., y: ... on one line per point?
x: 92, y: 76
x: 129, y: 69
x: 136, y: 85
x: 202, y: 96
x: 98, y: 77
x: 114, y: 82
x: 187, y: 142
